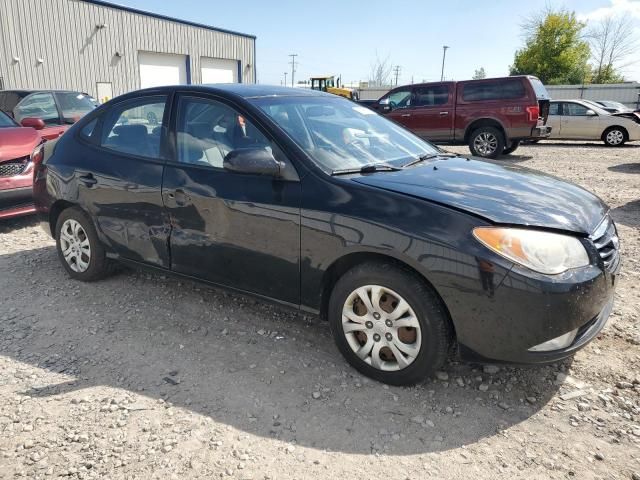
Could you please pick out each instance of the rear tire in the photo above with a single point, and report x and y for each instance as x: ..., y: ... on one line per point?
x: 511, y: 148
x: 487, y: 142
x: 79, y: 249
x: 614, y: 136
x: 374, y: 342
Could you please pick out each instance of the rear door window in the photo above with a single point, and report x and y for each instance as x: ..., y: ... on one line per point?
x: 127, y: 128
x: 430, y: 96
x: 38, y: 105
x: 502, y: 89
x: 554, y: 109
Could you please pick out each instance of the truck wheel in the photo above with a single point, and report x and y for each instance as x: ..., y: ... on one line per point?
x: 486, y: 142
x: 614, y: 136
x: 511, y: 148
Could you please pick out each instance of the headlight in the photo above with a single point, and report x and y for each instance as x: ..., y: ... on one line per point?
x: 543, y: 252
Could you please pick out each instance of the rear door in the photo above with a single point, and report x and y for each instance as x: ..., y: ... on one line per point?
x: 234, y: 229
x: 577, y: 124
x: 119, y: 177
x: 554, y: 120
x: 433, y: 111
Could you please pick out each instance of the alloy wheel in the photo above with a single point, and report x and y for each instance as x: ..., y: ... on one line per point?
x: 485, y: 143
x: 381, y: 328
x: 75, y: 245
x: 615, y: 137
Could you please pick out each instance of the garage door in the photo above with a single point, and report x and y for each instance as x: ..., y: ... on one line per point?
x: 157, y: 69
x: 219, y: 70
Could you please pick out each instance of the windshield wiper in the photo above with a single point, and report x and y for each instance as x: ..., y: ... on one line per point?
x: 368, y: 168
x: 429, y: 156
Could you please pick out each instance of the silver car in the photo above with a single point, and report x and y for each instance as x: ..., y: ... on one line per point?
x: 580, y: 120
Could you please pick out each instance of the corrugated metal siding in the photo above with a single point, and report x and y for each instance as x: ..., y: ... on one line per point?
x: 77, y: 54
x: 626, y: 93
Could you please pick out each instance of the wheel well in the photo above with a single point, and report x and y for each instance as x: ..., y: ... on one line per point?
x: 624, y: 131
x: 483, y: 122
x: 54, y: 213
x: 343, y: 264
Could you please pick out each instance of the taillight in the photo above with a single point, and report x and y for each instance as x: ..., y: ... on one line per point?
x: 534, y: 113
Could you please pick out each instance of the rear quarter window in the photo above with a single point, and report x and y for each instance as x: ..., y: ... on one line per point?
x: 504, y: 89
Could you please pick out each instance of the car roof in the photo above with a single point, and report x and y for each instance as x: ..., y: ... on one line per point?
x: 241, y: 90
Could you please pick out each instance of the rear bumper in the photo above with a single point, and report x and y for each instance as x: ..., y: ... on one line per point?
x: 541, y: 132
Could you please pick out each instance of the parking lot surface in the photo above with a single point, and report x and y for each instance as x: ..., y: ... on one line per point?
x: 146, y: 376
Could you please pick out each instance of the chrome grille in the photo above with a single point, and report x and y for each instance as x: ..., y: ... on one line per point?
x: 605, y: 239
x: 13, y: 167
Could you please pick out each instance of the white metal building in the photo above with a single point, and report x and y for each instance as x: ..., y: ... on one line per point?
x: 105, y: 49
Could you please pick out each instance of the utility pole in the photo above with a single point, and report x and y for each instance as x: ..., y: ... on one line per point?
x: 444, y: 54
x: 396, y: 72
x: 285, y: 79
x: 293, y: 67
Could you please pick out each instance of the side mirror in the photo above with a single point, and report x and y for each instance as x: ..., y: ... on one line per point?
x: 257, y: 161
x: 31, y: 122
x: 591, y: 113
x: 384, y: 105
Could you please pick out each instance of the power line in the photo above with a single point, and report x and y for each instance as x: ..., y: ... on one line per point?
x: 293, y: 67
x: 396, y: 72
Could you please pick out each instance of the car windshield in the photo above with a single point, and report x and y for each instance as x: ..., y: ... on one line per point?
x: 75, y: 105
x: 617, y: 105
x: 339, y: 134
x: 6, y: 121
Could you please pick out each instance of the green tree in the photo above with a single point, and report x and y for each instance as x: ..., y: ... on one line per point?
x: 554, y: 50
x: 479, y: 74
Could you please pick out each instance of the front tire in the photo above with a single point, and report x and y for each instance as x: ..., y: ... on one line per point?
x: 487, y: 142
x: 614, y: 137
x: 81, y: 253
x: 388, y: 323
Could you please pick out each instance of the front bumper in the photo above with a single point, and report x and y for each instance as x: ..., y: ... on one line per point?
x: 525, y: 310
x: 586, y: 333
x: 15, y: 202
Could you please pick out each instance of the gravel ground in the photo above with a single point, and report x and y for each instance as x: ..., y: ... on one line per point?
x: 145, y: 376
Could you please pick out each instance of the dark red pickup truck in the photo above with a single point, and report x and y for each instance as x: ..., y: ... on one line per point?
x: 491, y: 115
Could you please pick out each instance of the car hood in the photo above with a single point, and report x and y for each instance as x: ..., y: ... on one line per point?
x: 17, y: 142
x: 498, y: 192
x: 630, y: 115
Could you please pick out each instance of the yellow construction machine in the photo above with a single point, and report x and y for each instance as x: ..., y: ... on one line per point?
x: 329, y: 84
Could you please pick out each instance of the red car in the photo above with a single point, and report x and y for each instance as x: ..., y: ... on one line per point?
x: 50, y: 111
x: 491, y: 115
x: 20, y: 148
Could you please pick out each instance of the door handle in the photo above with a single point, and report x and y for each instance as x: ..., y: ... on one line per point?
x: 179, y: 197
x: 444, y: 113
x: 405, y: 115
x: 88, y: 180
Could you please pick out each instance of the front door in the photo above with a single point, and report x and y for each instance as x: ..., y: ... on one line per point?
x: 577, y: 123
x: 234, y: 229
x: 398, y: 106
x: 120, y: 180
x: 433, y: 112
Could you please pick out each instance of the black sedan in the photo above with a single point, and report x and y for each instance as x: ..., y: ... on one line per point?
x: 316, y: 202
